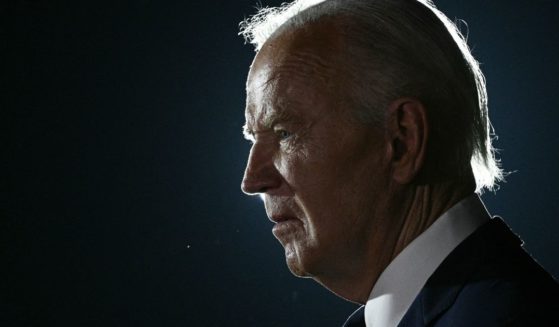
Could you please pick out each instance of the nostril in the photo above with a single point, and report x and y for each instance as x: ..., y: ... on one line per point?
x: 260, y: 190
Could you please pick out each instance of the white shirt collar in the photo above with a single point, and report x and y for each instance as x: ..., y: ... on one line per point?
x: 401, y: 281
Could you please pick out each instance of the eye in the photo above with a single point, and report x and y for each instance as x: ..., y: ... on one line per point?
x: 283, y: 134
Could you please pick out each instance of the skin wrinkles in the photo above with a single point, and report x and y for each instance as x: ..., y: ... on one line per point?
x: 293, y: 61
x: 289, y: 112
x: 298, y: 67
x: 347, y: 189
x: 321, y: 181
x: 306, y: 65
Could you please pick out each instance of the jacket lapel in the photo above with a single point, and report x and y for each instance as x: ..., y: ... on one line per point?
x: 357, y: 318
x: 442, y: 288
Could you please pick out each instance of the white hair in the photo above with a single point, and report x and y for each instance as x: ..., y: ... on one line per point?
x: 431, y: 49
x: 267, y: 20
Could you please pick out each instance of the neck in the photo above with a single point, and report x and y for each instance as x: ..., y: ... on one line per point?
x: 412, y: 212
x: 425, y: 204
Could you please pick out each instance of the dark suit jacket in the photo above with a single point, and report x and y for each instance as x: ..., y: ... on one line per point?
x: 487, y: 280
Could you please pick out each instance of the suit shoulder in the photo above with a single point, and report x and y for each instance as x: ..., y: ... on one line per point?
x: 503, y: 302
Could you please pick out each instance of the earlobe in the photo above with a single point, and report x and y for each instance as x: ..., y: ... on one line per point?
x: 408, y: 131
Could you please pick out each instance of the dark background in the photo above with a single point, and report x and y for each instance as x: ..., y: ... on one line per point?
x: 123, y: 160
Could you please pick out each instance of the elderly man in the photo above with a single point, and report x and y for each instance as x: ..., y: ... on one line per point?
x: 371, y: 138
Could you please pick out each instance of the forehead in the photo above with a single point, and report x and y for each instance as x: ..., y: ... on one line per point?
x: 293, y: 70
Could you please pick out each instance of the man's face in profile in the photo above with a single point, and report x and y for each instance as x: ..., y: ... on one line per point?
x: 322, y: 176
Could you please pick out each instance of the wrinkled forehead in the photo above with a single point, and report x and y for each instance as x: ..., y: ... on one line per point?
x: 313, y: 49
x: 292, y: 65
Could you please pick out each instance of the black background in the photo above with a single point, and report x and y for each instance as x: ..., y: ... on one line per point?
x: 123, y: 160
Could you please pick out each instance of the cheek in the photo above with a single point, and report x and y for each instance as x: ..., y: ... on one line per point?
x: 316, y: 190
x: 294, y: 167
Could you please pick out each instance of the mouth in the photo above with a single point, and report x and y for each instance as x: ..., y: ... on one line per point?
x: 278, y: 219
x: 284, y: 225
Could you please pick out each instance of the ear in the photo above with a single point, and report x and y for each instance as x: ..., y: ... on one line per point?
x: 407, y: 132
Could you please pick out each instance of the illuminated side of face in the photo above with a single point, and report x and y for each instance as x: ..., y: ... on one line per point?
x: 322, y: 176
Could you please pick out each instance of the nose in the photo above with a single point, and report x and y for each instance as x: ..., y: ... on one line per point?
x: 261, y: 175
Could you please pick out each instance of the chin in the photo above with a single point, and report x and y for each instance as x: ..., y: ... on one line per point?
x: 296, y: 269
x: 297, y: 264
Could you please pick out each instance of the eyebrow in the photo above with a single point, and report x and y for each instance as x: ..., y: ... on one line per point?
x: 248, y: 134
x: 282, y: 114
